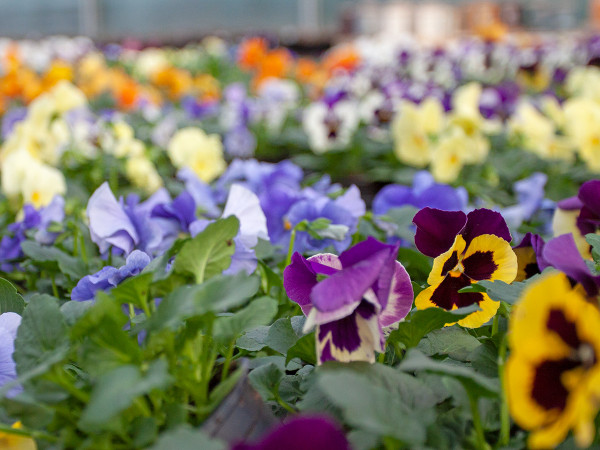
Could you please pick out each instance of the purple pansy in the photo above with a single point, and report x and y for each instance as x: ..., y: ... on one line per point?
x: 128, y: 225
x: 437, y: 229
x: 109, y: 277
x: 562, y: 254
x: 424, y: 192
x: 364, y: 290
x: 239, y: 142
x: 300, y: 433
x: 9, y: 324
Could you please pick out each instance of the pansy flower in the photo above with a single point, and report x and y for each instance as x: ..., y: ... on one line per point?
x: 350, y: 299
x: 553, y: 373
x: 530, y: 259
x: 467, y: 249
x: 579, y: 215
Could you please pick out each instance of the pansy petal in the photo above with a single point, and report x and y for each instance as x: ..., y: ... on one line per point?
x: 109, y: 224
x: 485, y: 221
x: 400, y: 300
x: 325, y: 263
x: 447, y: 261
x: 353, y: 338
x: 313, y: 432
x: 436, y: 230
x: 589, y: 194
x: 348, y: 285
x: 298, y: 280
x: 489, y: 257
x: 367, y: 249
x: 562, y: 254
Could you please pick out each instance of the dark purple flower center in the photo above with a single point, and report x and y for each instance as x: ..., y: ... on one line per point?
x: 548, y: 389
x: 480, y: 265
x: 446, y: 294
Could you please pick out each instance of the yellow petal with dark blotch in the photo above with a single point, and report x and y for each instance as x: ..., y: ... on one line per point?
x: 490, y: 257
x: 447, y: 261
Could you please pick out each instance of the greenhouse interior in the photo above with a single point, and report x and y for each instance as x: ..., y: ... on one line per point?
x: 299, y: 225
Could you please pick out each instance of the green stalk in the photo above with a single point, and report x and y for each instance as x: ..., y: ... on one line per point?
x: 495, y: 324
x: 288, y: 259
x: 54, y: 288
x: 227, y: 363
x: 504, y: 436
x: 481, y: 443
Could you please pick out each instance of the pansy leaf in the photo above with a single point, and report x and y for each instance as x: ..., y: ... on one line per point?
x: 422, y: 322
x: 304, y: 348
x: 265, y: 379
x: 253, y: 340
x: 359, y: 390
x: 133, y: 290
x: 500, y: 291
x: 260, y: 311
x: 209, y: 253
x: 42, y: 338
x: 116, y: 390
x: 218, y: 294
x: 594, y: 241
x: 10, y: 299
x: 284, y: 333
x: 53, y: 257
x: 187, y: 438
x: 416, y: 264
x: 477, y: 384
x: 452, y: 341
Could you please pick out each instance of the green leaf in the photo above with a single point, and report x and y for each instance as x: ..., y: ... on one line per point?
x: 452, y: 341
x: 187, y: 438
x: 209, y: 253
x: 260, y: 311
x: 116, y: 390
x: 133, y: 290
x: 282, y: 335
x: 305, y: 348
x: 42, y: 338
x: 477, y: 384
x: 10, y: 299
x: 594, y: 240
x: 509, y: 293
x: 265, y: 379
x: 360, y: 390
x: 52, y: 258
x: 402, y: 219
x: 416, y: 264
x: 254, y: 340
x: 218, y: 294
x: 422, y: 322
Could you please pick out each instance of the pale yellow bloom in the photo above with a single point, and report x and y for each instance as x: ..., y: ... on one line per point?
x: 583, y: 117
x: 413, y: 128
x: 584, y: 82
x: 539, y: 134
x: 66, y: 96
x: 191, y: 147
x: 35, y: 182
x: 143, y: 174
x: 448, y: 156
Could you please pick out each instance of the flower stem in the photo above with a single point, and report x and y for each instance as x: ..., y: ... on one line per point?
x: 227, y: 363
x: 495, y: 323
x: 481, y: 443
x: 288, y: 259
x: 504, y: 413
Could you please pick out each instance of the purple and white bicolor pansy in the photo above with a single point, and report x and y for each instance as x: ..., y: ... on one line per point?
x: 350, y: 299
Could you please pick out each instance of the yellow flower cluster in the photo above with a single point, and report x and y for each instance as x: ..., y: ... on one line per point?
x: 425, y: 136
x: 560, y: 132
x: 193, y: 148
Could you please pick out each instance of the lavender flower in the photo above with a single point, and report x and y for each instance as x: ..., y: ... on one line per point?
x: 109, y: 277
